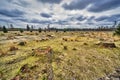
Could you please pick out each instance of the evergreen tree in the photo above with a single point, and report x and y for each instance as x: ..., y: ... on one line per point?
x: 40, y: 30
x: 11, y: 26
x: 56, y: 30
x: 21, y: 30
x: 28, y: 28
x: 64, y: 30
x: 5, y: 29
x: 48, y: 27
x: 31, y: 28
x: 117, y: 31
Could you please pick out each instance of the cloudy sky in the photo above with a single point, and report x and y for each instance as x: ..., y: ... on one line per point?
x: 62, y: 13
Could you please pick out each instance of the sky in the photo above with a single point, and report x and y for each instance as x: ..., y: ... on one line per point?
x: 59, y: 13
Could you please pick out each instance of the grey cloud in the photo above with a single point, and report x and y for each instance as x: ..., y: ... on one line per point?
x: 21, y: 3
x: 40, y: 21
x: 111, y: 18
x: 6, y: 20
x: 81, y: 18
x: 101, y: 6
x: 50, y: 1
x: 95, y: 5
x: 22, y: 19
x: 61, y: 22
x: 11, y: 13
x: 101, y: 18
x: 77, y: 4
x: 45, y: 15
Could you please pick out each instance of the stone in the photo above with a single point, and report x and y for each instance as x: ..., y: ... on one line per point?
x: 22, y: 43
x: 50, y: 36
x: 13, y: 48
x: 98, y: 43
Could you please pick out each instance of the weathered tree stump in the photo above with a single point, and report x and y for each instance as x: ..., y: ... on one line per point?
x: 106, y: 44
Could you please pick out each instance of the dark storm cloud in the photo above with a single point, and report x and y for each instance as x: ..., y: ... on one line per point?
x: 21, y: 3
x: 45, y: 15
x: 81, y: 18
x: 77, y: 4
x: 95, y: 5
x: 32, y: 21
x: 61, y: 22
x: 50, y: 1
x: 48, y: 21
x: 104, y: 5
x: 35, y: 21
x: 6, y: 20
x: 40, y: 21
x: 90, y: 23
x: 22, y: 19
x: 90, y: 19
x: 11, y: 13
x: 76, y: 17
x: 112, y: 18
x: 5, y: 3
x: 102, y: 18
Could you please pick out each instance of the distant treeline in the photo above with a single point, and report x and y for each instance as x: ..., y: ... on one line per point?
x: 85, y: 29
x: 65, y: 29
x: 31, y: 28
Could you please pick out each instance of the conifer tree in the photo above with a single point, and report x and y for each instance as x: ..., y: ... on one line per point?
x: 5, y: 29
x: 117, y: 31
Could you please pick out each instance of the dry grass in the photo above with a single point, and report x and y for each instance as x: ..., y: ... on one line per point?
x: 82, y: 60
